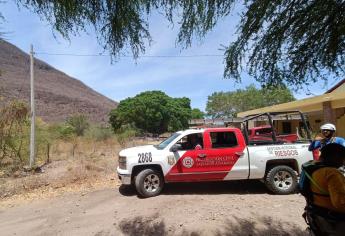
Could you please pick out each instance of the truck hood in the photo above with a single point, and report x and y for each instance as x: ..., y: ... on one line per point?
x: 133, y: 151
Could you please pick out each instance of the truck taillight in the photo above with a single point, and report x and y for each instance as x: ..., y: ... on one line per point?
x: 316, y: 154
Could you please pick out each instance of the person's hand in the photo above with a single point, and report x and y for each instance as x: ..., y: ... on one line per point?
x: 318, y: 137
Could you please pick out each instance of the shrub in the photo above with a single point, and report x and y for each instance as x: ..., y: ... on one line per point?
x: 13, y: 134
x: 78, y: 123
x: 15, y: 137
x: 125, y: 133
x: 99, y: 133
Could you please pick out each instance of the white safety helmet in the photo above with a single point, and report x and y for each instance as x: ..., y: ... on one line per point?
x: 328, y: 126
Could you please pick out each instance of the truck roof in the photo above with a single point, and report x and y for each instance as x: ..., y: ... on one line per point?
x: 196, y: 130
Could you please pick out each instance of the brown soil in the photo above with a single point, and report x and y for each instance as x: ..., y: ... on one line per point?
x: 233, y: 208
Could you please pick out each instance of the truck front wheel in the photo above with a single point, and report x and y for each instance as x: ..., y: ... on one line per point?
x: 281, y: 180
x: 149, y: 183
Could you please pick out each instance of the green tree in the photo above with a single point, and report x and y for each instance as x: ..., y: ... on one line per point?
x: 197, y: 114
x: 291, y: 42
x: 180, y: 113
x: 228, y: 104
x: 153, y: 112
x: 78, y: 123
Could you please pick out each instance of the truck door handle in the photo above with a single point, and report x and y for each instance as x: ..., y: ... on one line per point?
x: 202, y: 155
x: 239, y: 154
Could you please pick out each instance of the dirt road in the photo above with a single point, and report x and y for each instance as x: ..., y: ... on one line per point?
x: 230, y: 208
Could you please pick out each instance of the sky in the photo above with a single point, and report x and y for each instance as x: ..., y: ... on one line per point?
x: 192, y: 77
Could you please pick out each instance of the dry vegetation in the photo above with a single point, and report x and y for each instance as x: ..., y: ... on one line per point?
x: 70, y: 156
x: 74, y: 155
x: 70, y: 163
x: 81, y: 164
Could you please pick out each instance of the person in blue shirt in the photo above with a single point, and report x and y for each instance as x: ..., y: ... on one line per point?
x: 327, y: 131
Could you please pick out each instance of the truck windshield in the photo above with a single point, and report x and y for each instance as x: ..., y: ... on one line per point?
x: 166, y: 142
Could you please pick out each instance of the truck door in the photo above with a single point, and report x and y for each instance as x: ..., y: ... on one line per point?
x: 187, y: 167
x: 222, y: 155
x: 226, y: 154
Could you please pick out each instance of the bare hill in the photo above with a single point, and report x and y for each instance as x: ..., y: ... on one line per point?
x: 57, y: 95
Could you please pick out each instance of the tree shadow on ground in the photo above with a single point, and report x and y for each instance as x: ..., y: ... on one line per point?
x: 224, y: 187
x: 261, y: 226
x: 150, y: 226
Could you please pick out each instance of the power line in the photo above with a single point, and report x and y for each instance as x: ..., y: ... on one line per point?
x: 148, y: 56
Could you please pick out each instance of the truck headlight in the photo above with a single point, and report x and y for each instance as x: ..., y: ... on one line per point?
x: 122, y: 162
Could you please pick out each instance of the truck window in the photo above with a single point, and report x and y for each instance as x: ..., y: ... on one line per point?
x: 191, y: 142
x: 166, y: 142
x: 223, y: 139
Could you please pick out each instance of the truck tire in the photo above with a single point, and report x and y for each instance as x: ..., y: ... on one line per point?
x: 281, y: 180
x: 149, y: 183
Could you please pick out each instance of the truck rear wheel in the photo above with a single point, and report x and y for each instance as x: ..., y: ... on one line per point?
x: 281, y: 180
x: 149, y: 183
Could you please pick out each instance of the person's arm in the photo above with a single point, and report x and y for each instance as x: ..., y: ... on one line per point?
x: 336, y: 188
x: 340, y: 141
x: 315, y: 144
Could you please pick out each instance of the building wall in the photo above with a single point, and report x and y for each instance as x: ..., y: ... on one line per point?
x: 341, y: 127
x: 316, y: 120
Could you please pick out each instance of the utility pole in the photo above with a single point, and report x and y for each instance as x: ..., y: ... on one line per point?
x: 33, y: 115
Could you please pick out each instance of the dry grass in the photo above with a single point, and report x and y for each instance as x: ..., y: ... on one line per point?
x: 81, y: 162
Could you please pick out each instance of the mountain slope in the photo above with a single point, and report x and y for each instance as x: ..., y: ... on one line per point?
x: 57, y: 95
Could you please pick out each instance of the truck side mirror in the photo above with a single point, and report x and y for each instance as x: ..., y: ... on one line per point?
x: 175, y: 147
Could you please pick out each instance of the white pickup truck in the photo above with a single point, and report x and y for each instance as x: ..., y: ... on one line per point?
x: 212, y: 154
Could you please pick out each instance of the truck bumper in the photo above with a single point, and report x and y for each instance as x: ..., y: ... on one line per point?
x: 124, y: 176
